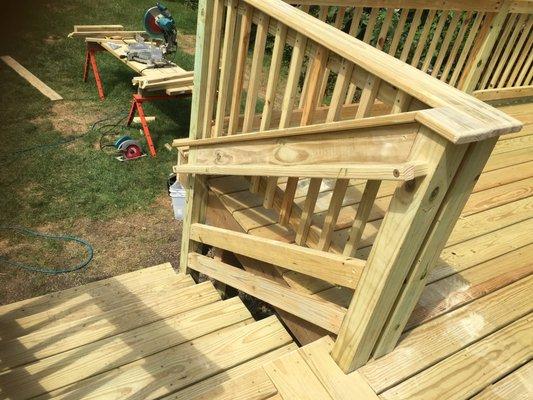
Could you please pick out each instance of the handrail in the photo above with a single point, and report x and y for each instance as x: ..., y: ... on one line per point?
x: 481, y: 117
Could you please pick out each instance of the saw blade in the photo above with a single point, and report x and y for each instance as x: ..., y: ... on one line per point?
x: 150, y: 23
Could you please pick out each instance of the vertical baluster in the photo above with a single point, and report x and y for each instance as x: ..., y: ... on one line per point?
x: 523, y: 56
x: 339, y: 19
x: 308, y: 211
x: 523, y: 64
x: 361, y: 217
x: 368, y: 96
x: 466, y: 48
x: 402, y: 101
x: 256, y: 72
x: 457, y: 43
x: 434, y: 41
x: 446, y: 43
x: 423, y: 37
x: 226, y: 68
x: 398, y: 32
x: 502, y: 41
x: 411, y: 35
x: 214, y: 58
x: 322, y: 15
x: 270, y: 97
x: 382, y: 37
x: 333, y: 213
x: 286, y: 115
x: 354, y: 31
x: 510, y: 64
x: 242, y: 52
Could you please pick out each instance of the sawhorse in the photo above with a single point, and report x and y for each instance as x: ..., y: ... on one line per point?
x: 90, y: 60
x: 137, y: 106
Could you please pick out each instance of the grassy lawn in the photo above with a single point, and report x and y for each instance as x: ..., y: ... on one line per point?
x: 77, y: 189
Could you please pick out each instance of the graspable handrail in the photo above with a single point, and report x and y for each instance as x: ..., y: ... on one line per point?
x: 459, y: 117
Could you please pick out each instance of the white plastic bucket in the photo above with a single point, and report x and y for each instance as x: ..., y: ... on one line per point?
x: 178, y: 195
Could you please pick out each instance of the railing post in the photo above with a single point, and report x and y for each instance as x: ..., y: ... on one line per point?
x: 196, y: 185
x: 482, y: 48
x: 402, y: 233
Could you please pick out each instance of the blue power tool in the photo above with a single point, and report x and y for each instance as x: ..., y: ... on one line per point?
x: 158, y: 22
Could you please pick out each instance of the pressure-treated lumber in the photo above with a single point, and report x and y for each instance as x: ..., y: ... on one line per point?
x: 104, y: 355
x: 344, y: 271
x: 32, y: 79
x: 322, y: 313
x: 518, y: 385
x: 471, y: 369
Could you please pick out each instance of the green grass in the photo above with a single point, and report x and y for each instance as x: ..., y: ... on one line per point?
x: 65, y: 183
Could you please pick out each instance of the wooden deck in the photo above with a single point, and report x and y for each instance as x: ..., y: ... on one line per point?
x: 156, y: 334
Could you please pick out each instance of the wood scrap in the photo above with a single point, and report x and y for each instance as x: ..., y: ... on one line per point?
x: 32, y: 79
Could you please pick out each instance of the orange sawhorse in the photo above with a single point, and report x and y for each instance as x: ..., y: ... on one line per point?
x: 137, y: 106
x: 90, y: 60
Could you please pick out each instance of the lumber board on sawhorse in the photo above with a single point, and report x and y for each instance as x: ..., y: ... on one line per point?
x: 32, y: 79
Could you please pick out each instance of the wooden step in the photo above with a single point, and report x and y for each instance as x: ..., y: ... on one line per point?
x: 59, y: 337
x: 319, y: 312
x: 180, y: 366
x: 26, y: 316
x: 98, y: 357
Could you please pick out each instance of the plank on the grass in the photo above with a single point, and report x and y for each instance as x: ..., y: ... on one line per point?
x: 326, y: 315
x: 82, y: 362
x: 339, y: 385
x: 89, y: 300
x: 186, y: 364
x: 472, y: 369
x: 209, y: 385
x: 437, y: 339
x: 518, y: 385
x: 32, y: 79
x: 294, y: 379
x: 56, y: 338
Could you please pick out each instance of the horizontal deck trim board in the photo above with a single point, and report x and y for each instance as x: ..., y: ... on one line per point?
x: 444, y: 336
x: 98, y: 357
x: 504, y: 93
x: 180, y: 366
x: 394, y: 172
x: 57, y: 338
x: 514, y: 386
x: 328, y: 127
x: 207, y: 386
x: 322, y: 313
x: 90, y: 303
x: 344, y: 271
x: 472, y: 369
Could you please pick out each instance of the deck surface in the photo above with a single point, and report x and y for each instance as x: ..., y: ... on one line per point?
x: 155, y: 334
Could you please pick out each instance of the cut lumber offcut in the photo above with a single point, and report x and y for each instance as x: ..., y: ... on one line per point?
x: 32, y: 79
x: 96, y: 28
x: 317, y: 311
x: 105, y: 33
x: 137, y: 120
x: 337, y: 269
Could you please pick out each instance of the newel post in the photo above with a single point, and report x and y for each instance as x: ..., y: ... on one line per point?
x: 410, y: 229
x: 196, y: 185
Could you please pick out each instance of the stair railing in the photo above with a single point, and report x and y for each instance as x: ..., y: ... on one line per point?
x: 408, y: 133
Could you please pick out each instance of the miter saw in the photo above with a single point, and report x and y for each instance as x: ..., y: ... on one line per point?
x: 159, y: 24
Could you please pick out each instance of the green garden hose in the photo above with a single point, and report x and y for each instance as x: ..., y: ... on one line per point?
x: 44, y: 270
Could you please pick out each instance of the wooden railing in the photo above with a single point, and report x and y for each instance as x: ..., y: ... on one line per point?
x: 260, y: 110
x: 481, y: 47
